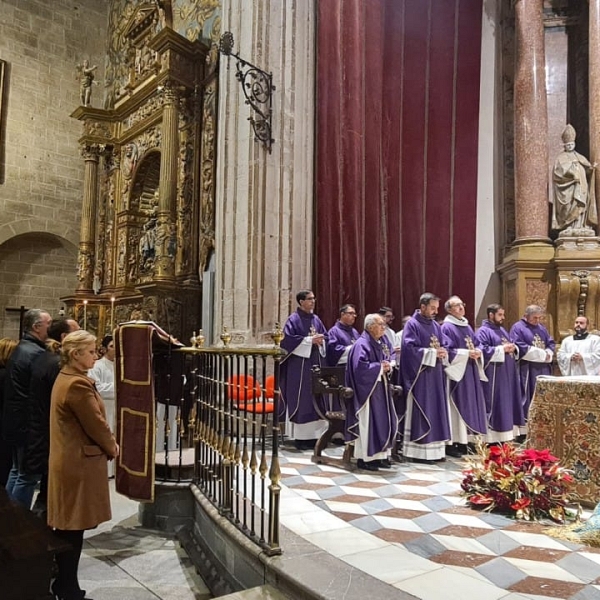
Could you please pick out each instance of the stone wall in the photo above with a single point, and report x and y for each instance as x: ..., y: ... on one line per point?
x: 41, y: 171
x: 33, y: 268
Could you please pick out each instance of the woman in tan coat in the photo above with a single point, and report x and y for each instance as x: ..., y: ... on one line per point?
x: 81, y: 442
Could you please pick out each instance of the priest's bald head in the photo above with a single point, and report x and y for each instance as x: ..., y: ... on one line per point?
x: 375, y: 325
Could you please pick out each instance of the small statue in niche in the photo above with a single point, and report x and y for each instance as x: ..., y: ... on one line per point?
x: 574, y: 211
x: 147, y: 245
x: 86, y: 80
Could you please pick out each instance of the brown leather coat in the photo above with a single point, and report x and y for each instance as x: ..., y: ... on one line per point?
x: 80, y: 444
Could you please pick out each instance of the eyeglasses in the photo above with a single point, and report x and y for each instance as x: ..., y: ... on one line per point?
x: 348, y: 312
x: 457, y: 304
x: 310, y: 298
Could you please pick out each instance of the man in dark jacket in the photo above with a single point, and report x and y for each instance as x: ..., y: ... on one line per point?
x: 15, y: 413
x: 44, y: 371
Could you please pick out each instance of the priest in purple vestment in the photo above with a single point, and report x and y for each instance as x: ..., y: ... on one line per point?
x: 536, y: 350
x: 503, y: 394
x: 305, y: 342
x: 371, y: 420
x: 341, y: 337
x: 465, y: 374
x: 422, y: 360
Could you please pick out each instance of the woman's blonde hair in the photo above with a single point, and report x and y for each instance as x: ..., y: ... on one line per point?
x: 6, y: 349
x: 74, y: 341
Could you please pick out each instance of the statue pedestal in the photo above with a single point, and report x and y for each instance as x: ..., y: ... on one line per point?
x: 527, y: 278
x: 577, y: 264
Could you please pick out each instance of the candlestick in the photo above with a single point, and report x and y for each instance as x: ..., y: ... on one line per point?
x: 85, y: 314
x: 112, y: 314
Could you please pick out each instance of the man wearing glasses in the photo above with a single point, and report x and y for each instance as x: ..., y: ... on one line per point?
x: 371, y: 419
x: 341, y: 336
x: 305, y: 342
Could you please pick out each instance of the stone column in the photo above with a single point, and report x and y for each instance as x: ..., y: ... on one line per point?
x: 264, y: 202
x: 594, y: 87
x: 85, y: 262
x: 531, y: 125
x: 527, y: 271
x: 166, y: 238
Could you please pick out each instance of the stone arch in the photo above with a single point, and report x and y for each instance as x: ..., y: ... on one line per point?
x: 61, y: 230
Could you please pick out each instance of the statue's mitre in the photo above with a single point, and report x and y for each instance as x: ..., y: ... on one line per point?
x: 569, y: 134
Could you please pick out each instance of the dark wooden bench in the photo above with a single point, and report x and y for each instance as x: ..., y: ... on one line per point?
x: 329, y: 396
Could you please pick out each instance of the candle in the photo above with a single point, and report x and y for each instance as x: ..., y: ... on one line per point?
x: 112, y: 314
x: 85, y: 314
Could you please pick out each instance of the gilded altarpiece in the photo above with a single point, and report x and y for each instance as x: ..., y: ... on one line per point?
x: 147, y: 218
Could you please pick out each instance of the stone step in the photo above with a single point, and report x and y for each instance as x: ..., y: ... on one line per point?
x: 263, y: 592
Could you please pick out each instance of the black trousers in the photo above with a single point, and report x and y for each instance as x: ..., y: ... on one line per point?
x: 66, y: 584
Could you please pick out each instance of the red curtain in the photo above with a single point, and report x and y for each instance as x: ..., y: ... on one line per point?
x: 397, y: 136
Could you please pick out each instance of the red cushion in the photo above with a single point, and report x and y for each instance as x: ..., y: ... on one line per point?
x: 270, y: 386
x: 243, y: 387
x: 257, y: 407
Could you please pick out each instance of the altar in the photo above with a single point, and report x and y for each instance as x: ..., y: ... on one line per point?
x: 565, y: 417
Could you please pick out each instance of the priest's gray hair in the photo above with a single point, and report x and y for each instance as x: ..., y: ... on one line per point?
x: 371, y: 320
x: 448, y: 304
x: 533, y: 309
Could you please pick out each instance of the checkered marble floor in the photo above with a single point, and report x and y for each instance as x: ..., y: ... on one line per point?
x: 409, y: 527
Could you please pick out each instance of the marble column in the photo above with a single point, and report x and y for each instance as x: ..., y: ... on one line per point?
x: 167, y: 191
x: 264, y: 201
x: 531, y: 125
x: 85, y: 262
x: 594, y: 86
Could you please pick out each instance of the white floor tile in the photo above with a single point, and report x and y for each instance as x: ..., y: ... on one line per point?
x: 466, y: 521
x: 461, y: 544
x: 391, y: 564
x: 408, y: 504
x: 342, y: 542
x: 346, y: 507
x: 358, y: 491
x: 399, y: 524
x: 446, y: 584
x: 537, y: 540
x: 313, y: 522
x: 535, y: 568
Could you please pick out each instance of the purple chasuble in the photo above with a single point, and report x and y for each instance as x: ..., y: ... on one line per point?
x: 340, y: 336
x: 466, y: 394
x: 525, y: 335
x: 503, y: 394
x: 295, y: 374
x: 424, y: 385
x: 364, y: 376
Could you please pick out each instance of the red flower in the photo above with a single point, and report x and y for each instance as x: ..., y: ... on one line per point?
x: 520, y: 503
x: 481, y: 499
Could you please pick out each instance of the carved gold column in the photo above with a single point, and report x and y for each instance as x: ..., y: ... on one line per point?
x: 166, y: 239
x: 85, y: 263
x: 527, y: 272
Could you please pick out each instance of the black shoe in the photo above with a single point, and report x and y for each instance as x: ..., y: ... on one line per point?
x: 454, y: 451
x: 521, y: 439
x: 367, y: 465
x: 384, y: 463
x: 61, y: 595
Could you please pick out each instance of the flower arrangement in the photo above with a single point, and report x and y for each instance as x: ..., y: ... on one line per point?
x: 529, y: 483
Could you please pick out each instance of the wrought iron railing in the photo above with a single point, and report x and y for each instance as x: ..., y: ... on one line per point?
x: 235, y: 428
